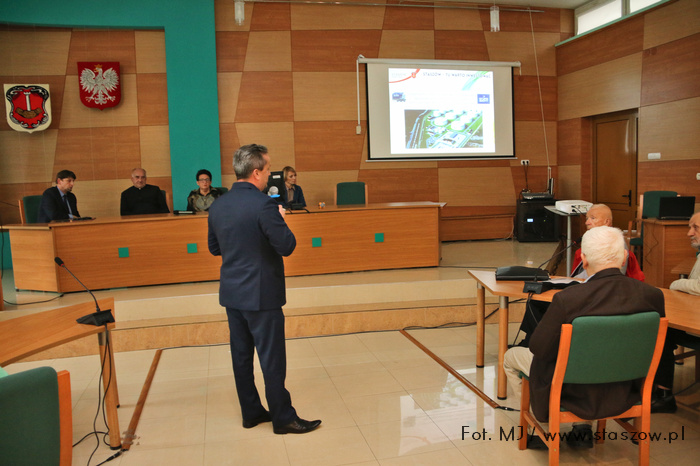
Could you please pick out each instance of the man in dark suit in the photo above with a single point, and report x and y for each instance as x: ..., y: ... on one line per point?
x: 59, y: 202
x: 248, y: 230
x: 142, y: 198
x: 606, y: 292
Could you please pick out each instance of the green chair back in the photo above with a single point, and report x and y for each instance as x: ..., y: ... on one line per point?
x: 607, y: 349
x: 222, y: 189
x: 31, y: 208
x: 351, y: 192
x: 29, y: 418
x: 650, y: 207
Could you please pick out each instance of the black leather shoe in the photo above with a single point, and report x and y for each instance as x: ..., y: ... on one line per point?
x: 581, y: 436
x: 299, y: 426
x: 258, y: 420
x: 663, y: 401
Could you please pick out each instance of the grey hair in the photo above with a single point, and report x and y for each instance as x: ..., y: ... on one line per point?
x: 247, y: 159
x: 604, y: 245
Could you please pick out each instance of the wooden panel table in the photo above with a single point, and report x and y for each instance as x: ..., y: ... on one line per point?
x: 665, y: 246
x: 24, y: 336
x: 158, y: 249
x: 681, y: 310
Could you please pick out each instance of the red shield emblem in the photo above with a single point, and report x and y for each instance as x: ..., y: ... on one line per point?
x: 28, y: 106
x: 100, y: 84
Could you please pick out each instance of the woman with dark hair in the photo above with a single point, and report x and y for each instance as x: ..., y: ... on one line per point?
x: 202, y: 198
x: 292, y: 195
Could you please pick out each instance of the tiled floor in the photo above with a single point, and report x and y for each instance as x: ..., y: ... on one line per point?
x: 382, y: 400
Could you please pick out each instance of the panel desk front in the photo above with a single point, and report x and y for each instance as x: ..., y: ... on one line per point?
x: 165, y: 248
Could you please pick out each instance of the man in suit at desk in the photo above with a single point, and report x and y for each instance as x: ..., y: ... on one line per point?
x: 142, y: 198
x: 59, y: 202
x: 606, y: 292
x: 247, y: 228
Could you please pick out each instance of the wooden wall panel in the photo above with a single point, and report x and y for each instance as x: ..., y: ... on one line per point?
x: 679, y: 175
x: 461, y: 45
x: 229, y: 142
x: 277, y: 137
x: 327, y: 96
x: 98, y: 155
x: 230, y: 50
x: 152, y: 94
x: 117, y: 45
x: 518, y: 46
x: 319, y: 186
x: 406, y: 185
x: 569, y: 140
x: 407, y: 18
x: 526, y: 96
x: 49, y: 59
x: 457, y: 20
x: 27, y: 158
x: 309, y: 17
x: 671, y: 129
x: 269, y: 51
x: 674, y: 21
x: 150, y: 51
x: 332, y: 50
x: 530, y: 140
x: 76, y: 115
x: 271, y: 17
x: 265, y: 97
x: 327, y: 145
x: 407, y: 44
x: 229, y: 89
x: 475, y: 186
x: 155, y: 152
x: 601, y: 46
x: 670, y: 71
x: 102, y: 198
x: 567, y: 185
x: 604, y: 88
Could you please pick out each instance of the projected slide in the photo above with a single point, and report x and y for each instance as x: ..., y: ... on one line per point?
x: 441, y: 111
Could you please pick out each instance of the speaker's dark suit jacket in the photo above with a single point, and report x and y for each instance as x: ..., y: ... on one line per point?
x: 52, y: 206
x: 608, y: 292
x: 247, y: 230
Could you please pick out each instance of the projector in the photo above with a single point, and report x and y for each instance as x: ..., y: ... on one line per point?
x: 573, y: 207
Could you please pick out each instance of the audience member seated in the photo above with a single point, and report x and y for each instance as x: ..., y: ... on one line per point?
x: 202, y: 198
x: 292, y: 194
x: 142, y: 198
x: 59, y: 202
x: 597, y: 215
x: 606, y: 292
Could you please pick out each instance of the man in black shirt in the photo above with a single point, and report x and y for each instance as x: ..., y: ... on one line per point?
x: 142, y: 198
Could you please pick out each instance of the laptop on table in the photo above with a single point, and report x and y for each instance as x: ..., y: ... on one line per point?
x: 676, y: 207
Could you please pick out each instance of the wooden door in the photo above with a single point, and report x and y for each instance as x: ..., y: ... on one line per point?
x: 615, y: 164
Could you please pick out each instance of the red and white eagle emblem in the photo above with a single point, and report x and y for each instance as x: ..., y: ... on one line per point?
x: 100, y: 86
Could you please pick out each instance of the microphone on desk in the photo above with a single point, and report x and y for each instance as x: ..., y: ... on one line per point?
x: 540, y: 287
x: 576, y: 242
x: 96, y: 318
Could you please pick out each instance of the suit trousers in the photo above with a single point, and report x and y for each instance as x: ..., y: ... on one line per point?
x: 262, y: 331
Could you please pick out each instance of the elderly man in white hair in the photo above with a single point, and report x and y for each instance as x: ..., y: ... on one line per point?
x: 606, y: 291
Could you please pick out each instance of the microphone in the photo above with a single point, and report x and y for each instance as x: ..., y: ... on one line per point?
x: 273, y: 191
x: 98, y: 317
x: 573, y: 243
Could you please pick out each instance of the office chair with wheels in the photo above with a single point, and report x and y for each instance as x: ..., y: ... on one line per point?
x: 36, y: 420
x: 601, y: 349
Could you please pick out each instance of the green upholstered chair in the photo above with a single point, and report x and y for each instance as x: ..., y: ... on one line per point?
x: 351, y: 192
x: 29, y: 209
x: 601, y: 349
x: 36, y: 421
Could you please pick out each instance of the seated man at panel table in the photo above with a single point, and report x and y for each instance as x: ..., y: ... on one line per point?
x: 59, y: 202
x: 664, y: 401
x: 142, y: 198
x: 597, y: 215
x: 606, y: 292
